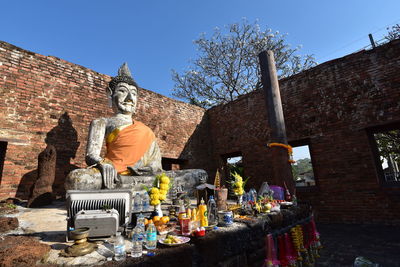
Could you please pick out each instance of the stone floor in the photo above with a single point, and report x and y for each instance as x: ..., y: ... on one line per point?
x: 344, y: 242
x: 48, y: 222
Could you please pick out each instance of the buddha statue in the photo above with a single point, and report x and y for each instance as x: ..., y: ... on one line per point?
x: 132, y: 157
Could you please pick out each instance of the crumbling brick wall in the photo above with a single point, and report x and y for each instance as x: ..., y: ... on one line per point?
x: 44, y: 99
x: 332, y: 106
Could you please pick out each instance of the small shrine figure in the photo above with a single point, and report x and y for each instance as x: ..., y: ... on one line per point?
x: 204, y: 191
x: 221, y: 193
x: 217, y: 180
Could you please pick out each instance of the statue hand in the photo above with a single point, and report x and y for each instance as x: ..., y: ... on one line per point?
x: 141, y: 170
x: 108, y: 173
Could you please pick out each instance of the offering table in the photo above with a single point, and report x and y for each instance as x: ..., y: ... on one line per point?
x: 242, y: 244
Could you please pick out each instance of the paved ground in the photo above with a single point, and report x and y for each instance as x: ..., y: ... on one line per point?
x: 48, y: 222
x: 344, y: 242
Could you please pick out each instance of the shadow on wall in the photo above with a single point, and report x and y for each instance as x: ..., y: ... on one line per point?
x: 197, y: 152
x: 64, y: 138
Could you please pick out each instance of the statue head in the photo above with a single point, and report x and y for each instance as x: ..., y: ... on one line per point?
x: 123, y: 91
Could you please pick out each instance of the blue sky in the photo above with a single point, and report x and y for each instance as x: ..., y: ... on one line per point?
x: 301, y: 152
x: 157, y: 36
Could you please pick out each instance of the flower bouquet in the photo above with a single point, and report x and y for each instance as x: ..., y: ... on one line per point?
x: 158, y: 192
x: 237, y: 185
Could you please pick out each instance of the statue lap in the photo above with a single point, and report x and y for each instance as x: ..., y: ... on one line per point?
x: 90, y: 179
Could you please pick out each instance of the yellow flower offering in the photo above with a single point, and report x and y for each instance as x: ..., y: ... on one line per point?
x: 238, y: 184
x: 164, y: 187
x: 155, y: 202
x: 159, y: 190
x: 154, y: 190
x: 164, y: 180
x: 154, y: 196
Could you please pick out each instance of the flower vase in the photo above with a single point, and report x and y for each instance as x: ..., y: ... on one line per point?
x: 158, y: 210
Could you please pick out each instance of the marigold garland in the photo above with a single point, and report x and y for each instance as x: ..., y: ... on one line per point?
x: 287, y: 147
x: 298, y: 241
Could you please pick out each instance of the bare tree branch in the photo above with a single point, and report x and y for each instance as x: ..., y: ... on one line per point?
x: 227, y: 64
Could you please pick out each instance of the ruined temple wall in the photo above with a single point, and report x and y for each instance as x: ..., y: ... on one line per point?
x: 331, y: 106
x: 44, y: 99
x: 241, y: 127
x: 340, y: 100
x: 180, y: 128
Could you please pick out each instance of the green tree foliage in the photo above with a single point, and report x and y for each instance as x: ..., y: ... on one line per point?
x: 227, y: 64
x: 301, y: 166
x: 389, y: 144
x: 393, y: 33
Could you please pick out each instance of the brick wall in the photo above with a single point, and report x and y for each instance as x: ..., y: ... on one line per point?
x: 44, y: 99
x: 332, y: 106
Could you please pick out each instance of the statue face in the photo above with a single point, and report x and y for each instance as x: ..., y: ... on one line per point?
x: 125, y: 98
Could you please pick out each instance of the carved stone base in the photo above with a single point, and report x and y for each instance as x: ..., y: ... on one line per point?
x: 186, y: 180
x: 90, y: 179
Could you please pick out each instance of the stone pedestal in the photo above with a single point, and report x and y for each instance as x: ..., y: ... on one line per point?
x: 184, y: 179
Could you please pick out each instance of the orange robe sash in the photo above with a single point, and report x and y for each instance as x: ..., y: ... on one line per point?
x: 126, y: 147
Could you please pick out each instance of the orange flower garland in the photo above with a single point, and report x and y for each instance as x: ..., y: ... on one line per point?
x: 287, y: 147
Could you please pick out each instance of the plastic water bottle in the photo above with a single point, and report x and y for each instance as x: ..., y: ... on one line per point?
x: 145, y: 201
x: 137, y: 203
x: 140, y: 221
x: 212, y: 211
x: 151, y: 237
x: 140, y: 224
x: 119, y: 248
x: 137, y: 242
